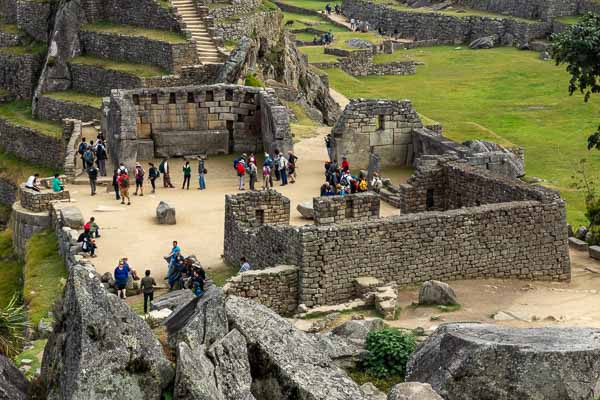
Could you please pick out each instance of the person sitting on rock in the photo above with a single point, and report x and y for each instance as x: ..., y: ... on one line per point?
x: 92, y: 227
x: 176, y: 275
x: 244, y: 265
x: 326, y: 189
x: 121, y: 276
x: 32, y: 183
x: 88, y: 245
x: 197, y: 283
x: 57, y: 185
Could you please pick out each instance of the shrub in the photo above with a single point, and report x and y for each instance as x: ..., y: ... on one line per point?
x: 388, y: 352
x: 251, y: 80
x: 13, y: 322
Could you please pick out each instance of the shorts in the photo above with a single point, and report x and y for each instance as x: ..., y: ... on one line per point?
x: 121, y: 286
x: 139, y: 182
x: 125, y: 192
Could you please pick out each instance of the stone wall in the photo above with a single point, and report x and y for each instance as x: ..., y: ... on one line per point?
x: 530, y: 9
x: 276, y: 288
x: 8, y: 11
x: 360, y: 63
x: 8, y: 191
x: 32, y: 146
x: 349, y: 208
x: 236, y: 8
x: 266, y: 23
x: 143, y: 13
x: 40, y: 201
x: 24, y: 224
x: 136, y: 49
x: 197, y: 119
x: 57, y: 110
x: 34, y: 18
x: 8, y: 39
x: 19, y: 73
x: 450, y: 29
x: 72, y: 131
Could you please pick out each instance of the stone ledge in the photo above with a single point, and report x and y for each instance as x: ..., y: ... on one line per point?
x: 577, y: 244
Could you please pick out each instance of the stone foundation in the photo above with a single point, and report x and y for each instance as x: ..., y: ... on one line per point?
x: 360, y: 63
x: 340, y: 209
x: 25, y: 223
x: 19, y: 73
x: 40, y: 201
x: 57, y: 110
x: 31, y: 145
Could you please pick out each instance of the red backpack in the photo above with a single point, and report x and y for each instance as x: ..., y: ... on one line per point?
x: 241, y: 170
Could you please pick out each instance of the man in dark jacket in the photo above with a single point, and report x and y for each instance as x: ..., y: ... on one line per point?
x: 93, y: 175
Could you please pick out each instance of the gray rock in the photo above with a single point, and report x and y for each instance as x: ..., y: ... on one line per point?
x: 442, y: 5
x: 201, y: 321
x: 486, y: 42
x: 44, y: 329
x: 480, y: 361
x: 581, y: 233
x: 13, y: 384
x: 195, y: 378
x: 357, y: 330
x: 570, y: 232
x: 232, y: 368
x: 356, y: 43
x: 100, y: 348
x: 285, y: 360
x: 370, y: 392
x: 165, y: 214
x: 413, y: 391
x: 72, y: 217
x: 344, y: 352
x: 436, y: 293
x: 545, y: 56
x: 512, y: 164
x: 173, y: 300
x: 306, y: 210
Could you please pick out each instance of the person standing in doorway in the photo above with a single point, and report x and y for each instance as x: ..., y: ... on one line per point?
x: 201, y: 172
x: 187, y: 175
x: 147, y: 285
x: 93, y: 176
x: 139, y: 179
x: 124, y: 187
x: 153, y: 174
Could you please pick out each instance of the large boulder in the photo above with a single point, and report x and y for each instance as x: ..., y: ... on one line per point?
x: 370, y: 392
x: 357, y: 330
x: 165, y: 214
x: 72, y: 217
x: 284, y: 360
x: 436, y: 293
x: 13, y: 385
x: 100, y: 348
x: 306, y: 210
x: 195, y: 375
x: 486, y: 42
x: 512, y: 164
x: 173, y: 300
x: 413, y: 391
x: 480, y: 361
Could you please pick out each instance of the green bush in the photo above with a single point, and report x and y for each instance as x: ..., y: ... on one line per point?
x: 389, y: 350
x: 13, y: 322
x: 251, y: 80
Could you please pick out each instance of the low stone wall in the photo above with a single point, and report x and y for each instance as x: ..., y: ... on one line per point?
x: 57, y: 110
x: 34, y: 18
x: 266, y: 23
x: 8, y: 191
x: 24, y: 224
x: 456, y: 29
x: 276, y: 288
x: 8, y: 11
x: 31, y: 145
x: 234, y: 9
x: 143, y: 13
x: 40, y: 201
x: 19, y: 73
x: 72, y: 129
x: 8, y: 39
x: 348, y: 208
x: 530, y: 9
x: 136, y: 49
x: 360, y: 63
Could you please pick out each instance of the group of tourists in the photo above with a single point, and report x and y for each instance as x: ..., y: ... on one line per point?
x: 359, y: 25
x: 324, y: 40
x: 33, y: 184
x: 336, y: 8
x: 184, y: 272
x: 279, y: 168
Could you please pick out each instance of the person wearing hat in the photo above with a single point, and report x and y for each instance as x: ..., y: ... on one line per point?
x: 139, y: 179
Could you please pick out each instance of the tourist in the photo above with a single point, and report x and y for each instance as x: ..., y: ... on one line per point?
x: 197, y: 283
x: 315, y: 40
x: 244, y: 265
x: 121, y: 276
x: 88, y: 157
x: 92, y: 227
x: 171, y: 257
x: 122, y: 168
x: 266, y: 174
x: 283, y: 164
x: 376, y: 182
x: 57, y: 185
x: 337, y: 9
x: 363, y: 185
x: 241, y: 171
x: 115, y: 184
x: 276, y: 163
x: 292, y: 160
x: 32, y: 182
x: 269, y: 163
x: 329, y: 146
x: 176, y: 273
x: 187, y: 175
x: 139, y: 179
x: 345, y: 164
x: 201, y: 172
x: 253, y: 174
x: 101, y: 157
x: 164, y: 169
x: 93, y: 177
x: 339, y: 190
x: 87, y: 244
x: 81, y: 150
x: 147, y: 285
x: 326, y: 189
x: 252, y: 159
x: 153, y: 174
x: 352, y: 27
x: 124, y: 187
x: 328, y: 9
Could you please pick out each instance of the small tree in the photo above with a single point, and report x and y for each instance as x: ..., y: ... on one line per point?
x: 583, y: 182
x: 13, y: 322
x: 577, y: 47
x: 389, y: 350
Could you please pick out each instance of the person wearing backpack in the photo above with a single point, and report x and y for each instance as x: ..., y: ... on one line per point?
x: 266, y: 173
x: 101, y: 157
x: 153, y: 174
x: 81, y: 150
x: 164, y: 169
x: 93, y: 175
x: 88, y: 157
x: 241, y: 171
x: 139, y: 179
x: 253, y: 173
x: 124, y: 187
x: 187, y: 175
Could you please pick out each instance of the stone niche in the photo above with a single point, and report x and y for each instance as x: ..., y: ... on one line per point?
x: 212, y: 119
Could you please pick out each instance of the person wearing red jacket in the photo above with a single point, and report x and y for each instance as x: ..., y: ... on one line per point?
x: 124, y: 187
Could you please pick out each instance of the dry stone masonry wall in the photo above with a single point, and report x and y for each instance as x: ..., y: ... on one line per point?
x: 339, y: 209
x: 33, y: 17
x: 31, y: 145
x: 19, y: 73
x: 56, y: 110
x: 360, y: 63
x: 530, y: 9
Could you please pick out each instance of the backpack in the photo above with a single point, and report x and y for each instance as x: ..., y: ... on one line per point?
x: 139, y: 173
x: 235, y: 164
x: 125, y: 182
x: 88, y: 156
x: 363, y: 185
x: 161, y: 167
x: 82, y: 147
x: 240, y: 169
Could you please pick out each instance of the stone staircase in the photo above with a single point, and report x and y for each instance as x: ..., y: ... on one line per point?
x: 193, y: 18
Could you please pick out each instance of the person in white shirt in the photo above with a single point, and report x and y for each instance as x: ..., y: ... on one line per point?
x: 32, y: 183
x: 244, y: 265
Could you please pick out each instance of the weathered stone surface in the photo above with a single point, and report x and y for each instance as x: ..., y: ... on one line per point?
x: 370, y: 392
x: 306, y: 210
x: 201, y: 321
x: 195, y: 375
x: 436, y: 293
x: 581, y: 233
x: 357, y: 330
x: 101, y: 348
x: 513, y: 164
x: 173, y: 300
x: 284, y: 360
x: 44, y: 329
x: 13, y: 384
x: 594, y: 252
x: 476, y: 361
x: 577, y: 244
x: 486, y: 42
x: 72, y: 217
x: 345, y: 353
x: 413, y: 391
x: 165, y: 214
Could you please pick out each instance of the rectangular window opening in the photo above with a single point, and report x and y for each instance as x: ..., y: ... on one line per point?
x: 429, y: 202
x: 136, y: 99
x: 249, y: 98
x: 229, y: 95
x: 191, y: 97
x: 260, y: 217
x: 172, y: 98
x: 380, y: 122
x: 210, y: 95
x: 154, y: 98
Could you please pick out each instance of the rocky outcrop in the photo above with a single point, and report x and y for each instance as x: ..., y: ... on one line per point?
x: 413, y: 391
x: 486, y: 42
x: 480, y: 361
x: 165, y: 214
x: 100, y: 348
x: 13, y: 385
x: 436, y: 293
x: 195, y: 379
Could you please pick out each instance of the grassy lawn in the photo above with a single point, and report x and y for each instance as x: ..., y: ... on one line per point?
x: 31, y: 48
x: 504, y: 95
x: 569, y: 20
x: 315, y: 55
x: 140, y: 70
x: 19, y: 113
x: 34, y: 354
x: 10, y: 269
x: 130, y: 30
x: 301, y: 21
x: 77, y: 97
x: 315, y: 5
x: 18, y: 170
x: 9, y: 28
x: 45, y: 275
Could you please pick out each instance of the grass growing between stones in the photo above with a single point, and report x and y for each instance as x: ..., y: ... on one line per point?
x: 383, y: 384
x: 17, y: 170
x: 503, y: 95
x: 19, y: 113
x: 77, y: 97
x: 220, y: 275
x: 34, y: 354
x: 10, y: 269
x: 303, y: 127
x: 45, y: 275
x: 9, y: 28
x: 316, y: 55
x: 130, y: 30
x: 313, y: 5
x: 31, y: 48
x: 301, y: 21
x: 139, y: 70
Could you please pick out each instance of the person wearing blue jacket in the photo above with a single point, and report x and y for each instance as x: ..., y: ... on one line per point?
x: 121, y: 277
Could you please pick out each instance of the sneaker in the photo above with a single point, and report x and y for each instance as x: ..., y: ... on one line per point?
x: 122, y: 202
x: 135, y: 194
x: 142, y: 194
x: 128, y: 204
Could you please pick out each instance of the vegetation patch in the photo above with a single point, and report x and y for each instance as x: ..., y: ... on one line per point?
x: 11, y: 282
x: 316, y: 55
x: 19, y: 113
x: 34, y: 354
x: 16, y: 170
x: 10, y: 28
x: 252, y: 80
x: 77, y: 97
x: 222, y: 274
x: 130, y: 30
x: 45, y: 275
x: 32, y: 48
x: 139, y: 70
x: 383, y: 384
x: 13, y: 323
